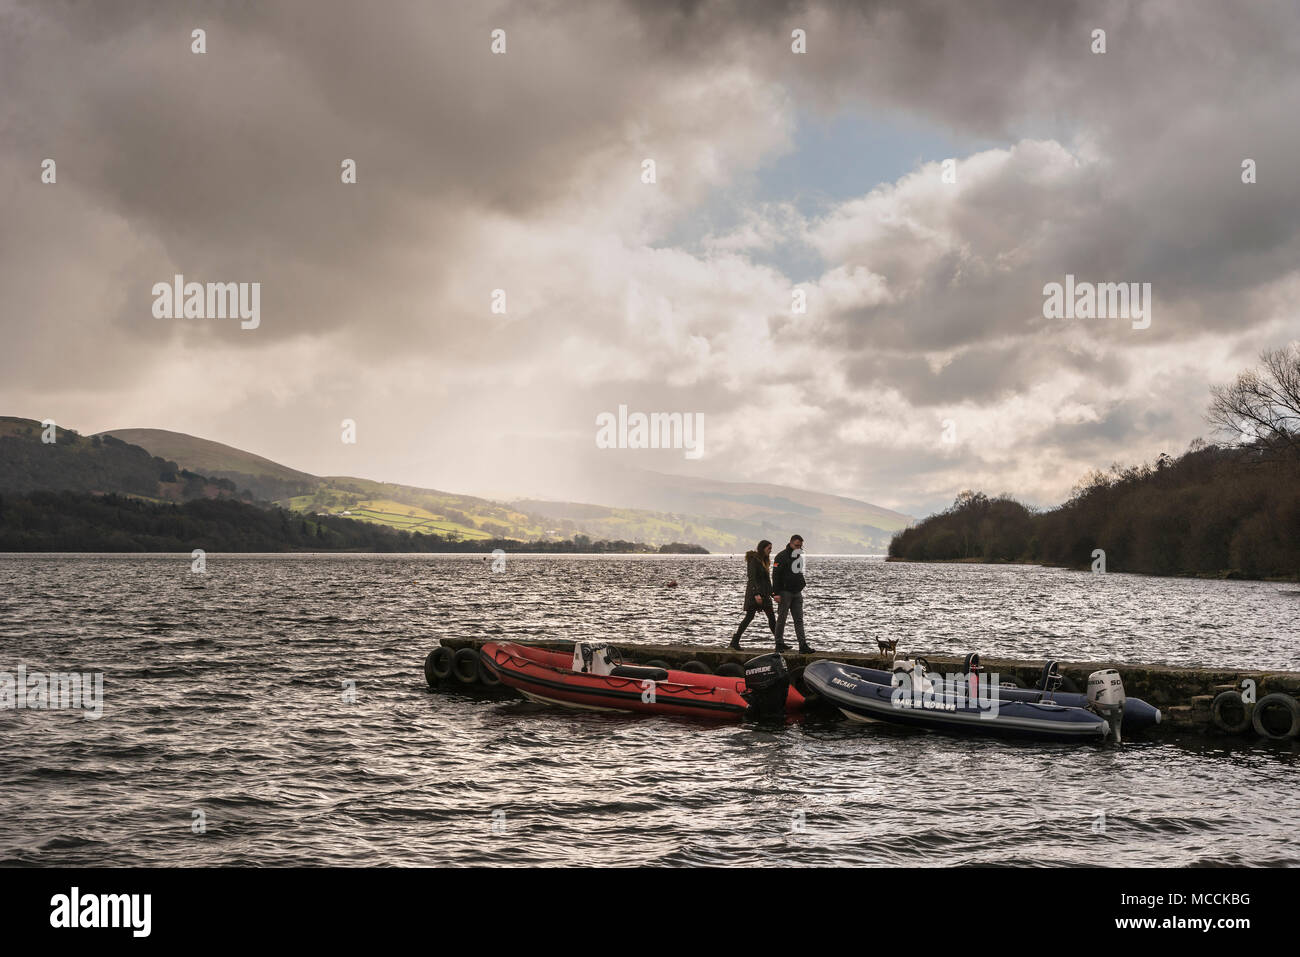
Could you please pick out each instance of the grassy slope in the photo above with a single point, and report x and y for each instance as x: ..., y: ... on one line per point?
x: 79, y: 463
x: 395, y: 506
x: 732, y: 516
x: 722, y: 516
x: 747, y: 500
x: 207, y: 457
x: 604, y: 522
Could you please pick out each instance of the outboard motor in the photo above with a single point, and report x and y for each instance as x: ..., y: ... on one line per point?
x: 767, y: 683
x: 1106, y: 697
x: 595, y: 657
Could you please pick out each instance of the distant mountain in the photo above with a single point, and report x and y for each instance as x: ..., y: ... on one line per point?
x: 639, y: 505
x: 726, y: 516
x: 66, y: 521
x: 266, y: 479
x: 62, y: 491
x: 747, y: 511
x: 96, y: 465
x: 402, y: 507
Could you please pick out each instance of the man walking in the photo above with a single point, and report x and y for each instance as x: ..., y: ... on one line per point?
x: 787, y: 588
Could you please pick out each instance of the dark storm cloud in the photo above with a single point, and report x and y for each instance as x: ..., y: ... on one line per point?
x: 227, y: 165
x: 477, y: 171
x: 981, y: 374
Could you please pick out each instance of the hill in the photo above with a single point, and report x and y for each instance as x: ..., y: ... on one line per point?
x: 1230, y: 510
x: 95, y: 464
x: 75, y: 522
x: 732, y: 516
x: 645, y: 506
x: 265, y: 479
x: 1212, y: 511
x: 62, y: 491
x: 401, y: 507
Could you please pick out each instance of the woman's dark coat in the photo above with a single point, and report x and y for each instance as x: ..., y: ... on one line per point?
x: 758, y: 582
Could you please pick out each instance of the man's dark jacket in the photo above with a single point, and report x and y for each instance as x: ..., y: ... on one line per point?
x: 783, y: 579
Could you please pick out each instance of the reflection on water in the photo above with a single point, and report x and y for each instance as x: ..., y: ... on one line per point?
x: 224, y: 694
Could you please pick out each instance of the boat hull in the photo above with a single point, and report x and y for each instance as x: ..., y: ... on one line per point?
x: 1137, y: 713
x: 547, y: 676
x: 861, y: 698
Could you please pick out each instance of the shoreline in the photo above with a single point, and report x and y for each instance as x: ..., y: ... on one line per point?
x: 1228, y: 574
x: 483, y: 556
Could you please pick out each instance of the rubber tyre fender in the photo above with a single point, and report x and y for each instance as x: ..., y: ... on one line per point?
x: 1277, y: 699
x: 729, y: 669
x: 465, y: 666
x: 486, y: 676
x: 695, y: 667
x: 658, y: 663
x: 437, y: 667
x: 1223, y: 724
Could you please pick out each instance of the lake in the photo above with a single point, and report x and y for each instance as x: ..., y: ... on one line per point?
x: 229, y: 735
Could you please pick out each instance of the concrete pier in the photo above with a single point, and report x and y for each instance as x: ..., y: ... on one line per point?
x: 1183, y: 695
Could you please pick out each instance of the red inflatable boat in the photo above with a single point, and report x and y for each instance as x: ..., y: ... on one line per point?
x: 595, y: 678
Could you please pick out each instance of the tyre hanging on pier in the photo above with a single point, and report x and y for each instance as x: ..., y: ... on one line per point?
x: 486, y: 676
x: 437, y: 666
x: 465, y: 666
x: 1289, y: 707
x: 1230, y: 713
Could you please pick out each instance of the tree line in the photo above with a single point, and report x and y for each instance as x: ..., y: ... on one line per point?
x: 68, y: 521
x: 1231, y: 508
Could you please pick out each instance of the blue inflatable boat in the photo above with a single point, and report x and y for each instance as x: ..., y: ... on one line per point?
x: 969, y: 703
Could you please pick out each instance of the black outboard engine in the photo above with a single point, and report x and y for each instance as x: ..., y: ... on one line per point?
x: 767, y: 683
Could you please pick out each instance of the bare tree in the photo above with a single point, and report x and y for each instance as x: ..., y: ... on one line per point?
x: 1262, y: 408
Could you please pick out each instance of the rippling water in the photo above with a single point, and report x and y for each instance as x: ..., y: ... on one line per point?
x: 224, y: 693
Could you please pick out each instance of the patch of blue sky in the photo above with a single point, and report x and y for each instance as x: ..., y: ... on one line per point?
x: 833, y: 158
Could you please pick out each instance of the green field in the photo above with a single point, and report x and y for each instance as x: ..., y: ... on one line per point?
x: 657, y: 509
x: 389, y: 512
x: 425, y: 511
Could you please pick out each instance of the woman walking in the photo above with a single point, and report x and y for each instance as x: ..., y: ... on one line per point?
x: 758, y: 589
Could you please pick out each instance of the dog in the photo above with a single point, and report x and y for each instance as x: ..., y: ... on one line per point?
x: 887, y: 648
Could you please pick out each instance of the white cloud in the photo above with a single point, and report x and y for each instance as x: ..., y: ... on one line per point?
x: 523, y: 173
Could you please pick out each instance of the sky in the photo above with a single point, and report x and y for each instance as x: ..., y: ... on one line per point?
x: 923, y: 363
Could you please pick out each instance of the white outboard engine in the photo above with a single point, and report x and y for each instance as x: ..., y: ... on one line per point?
x: 1106, y: 697
x: 595, y: 657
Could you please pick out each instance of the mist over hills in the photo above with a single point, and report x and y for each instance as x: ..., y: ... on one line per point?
x: 657, y: 509
x: 646, y: 506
